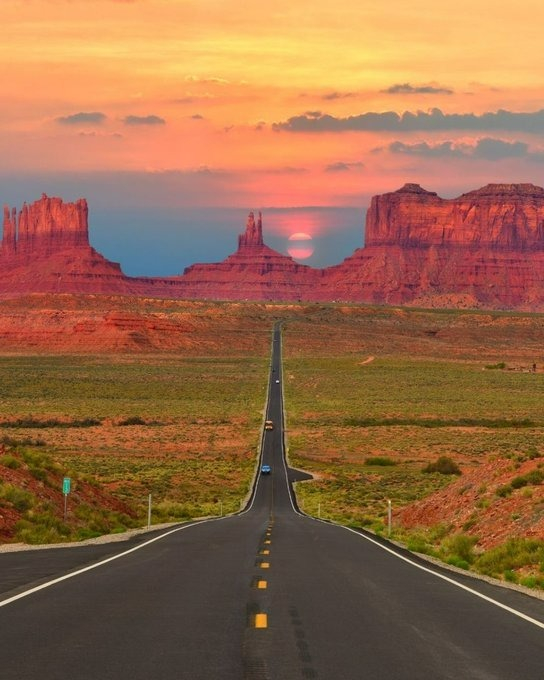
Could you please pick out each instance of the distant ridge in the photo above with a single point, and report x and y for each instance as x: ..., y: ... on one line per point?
x: 483, y: 249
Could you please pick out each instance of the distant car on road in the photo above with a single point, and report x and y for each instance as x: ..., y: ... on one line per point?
x: 265, y: 469
x: 277, y: 382
x: 268, y: 425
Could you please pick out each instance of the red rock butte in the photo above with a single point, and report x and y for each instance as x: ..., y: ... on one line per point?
x: 483, y: 249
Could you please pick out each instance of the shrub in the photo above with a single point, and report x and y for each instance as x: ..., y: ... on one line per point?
x: 515, y: 553
x: 444, y: 465
x: 52, y: 422
x: 26, y: 441
x: 85, y: 533
x: 35, y: 459
x: 380, y: 461
x: 532, y: 582
x: 532, y: 453
x: 459, y: 547
x: 510, y: 576
x: 418, y: 542
x: 518, y: 482
x: 20, y: 499
x: 133, y: 420
x: 458, y: 562
x: 533, y: 478
x: 38, y: 473
x: 469, y: 523
x: 10, y: 462
x: 483, y: 503
x: 44, y: 528
x: 499, y: 365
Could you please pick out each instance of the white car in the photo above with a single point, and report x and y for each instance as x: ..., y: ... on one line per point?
x: 277, y: 382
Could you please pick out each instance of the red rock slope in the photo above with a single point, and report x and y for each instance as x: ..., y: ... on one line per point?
x: 472, y: 504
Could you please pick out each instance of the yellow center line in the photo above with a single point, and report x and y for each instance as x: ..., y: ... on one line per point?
x: 264, y: 552
x: 261, y: 621
x: 265, y: 565
x: 262, y: 585
x: 267, y: 542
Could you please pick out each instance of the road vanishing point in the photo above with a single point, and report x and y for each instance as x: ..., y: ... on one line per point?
x: 267, y: 594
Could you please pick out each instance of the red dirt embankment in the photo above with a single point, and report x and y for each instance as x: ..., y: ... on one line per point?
x: 472, y: 504
x: 41, y: 488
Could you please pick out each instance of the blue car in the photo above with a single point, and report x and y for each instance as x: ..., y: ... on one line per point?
x: 265, y: 469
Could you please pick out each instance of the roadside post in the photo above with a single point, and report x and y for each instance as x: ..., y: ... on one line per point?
x: 389, y: 513
x: 66, y: 490
x: 149, y: 511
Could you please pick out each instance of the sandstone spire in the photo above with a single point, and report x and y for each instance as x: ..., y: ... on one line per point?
x: 253, y: 235
x: 10, y: 231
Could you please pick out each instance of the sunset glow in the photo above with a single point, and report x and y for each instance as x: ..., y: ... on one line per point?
x: 214, y: 103
x: 300, y: 246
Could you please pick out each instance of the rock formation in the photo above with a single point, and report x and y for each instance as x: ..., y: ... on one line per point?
x: 486, y: 247
x: 45, y: 227
x: 45, y: 248
x: 496, y: 217
x: 253, y: 272
x: 482, y: 249
x: 253, y: 235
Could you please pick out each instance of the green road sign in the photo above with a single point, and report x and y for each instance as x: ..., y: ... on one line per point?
x: 66, y: 485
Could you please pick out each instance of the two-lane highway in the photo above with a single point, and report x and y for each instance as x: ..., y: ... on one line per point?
x: 267, y: 594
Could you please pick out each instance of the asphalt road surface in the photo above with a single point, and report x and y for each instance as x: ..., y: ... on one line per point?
x: 267, y: 594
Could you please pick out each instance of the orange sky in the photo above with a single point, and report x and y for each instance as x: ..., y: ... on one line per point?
x: 227, y: 102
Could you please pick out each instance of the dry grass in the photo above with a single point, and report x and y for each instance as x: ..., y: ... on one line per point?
x: 361, y: 383
x: 196, y: 433
x: 409, y: 387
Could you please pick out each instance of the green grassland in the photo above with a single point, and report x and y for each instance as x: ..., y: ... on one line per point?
x: 341, y: 413
x: 373, y: 395
x: 185, y: 429
x: 367, y: 429
x: 152, y: 387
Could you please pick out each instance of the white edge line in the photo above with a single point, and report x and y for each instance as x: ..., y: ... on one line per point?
x: 257, y: 478
x: 515, y: 612
x: 65, y: 577
x: 290, y: 488
x: 257, y: 475
x: 452, y: 581
x: 521, y: 615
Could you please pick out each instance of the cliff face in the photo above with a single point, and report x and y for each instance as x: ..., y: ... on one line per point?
x: 45, y: 248
x: 482, y: 249
x: 496, y: 217
x: 46, y: 226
